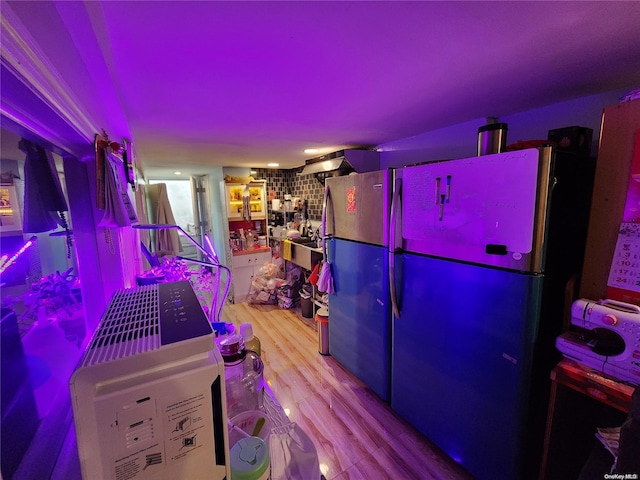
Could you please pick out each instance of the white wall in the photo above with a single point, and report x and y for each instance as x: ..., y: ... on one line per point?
x: 460, y: 141
x: 219, y: 225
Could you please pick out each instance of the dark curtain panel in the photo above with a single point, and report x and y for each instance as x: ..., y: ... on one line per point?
x: 44, y: 201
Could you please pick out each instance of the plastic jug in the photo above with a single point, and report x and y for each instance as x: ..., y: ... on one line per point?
x: 251, y: 342
x: 243, y: 371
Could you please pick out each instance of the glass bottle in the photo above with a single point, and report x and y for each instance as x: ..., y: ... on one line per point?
x: 251, y: 342
x: 243, y: 371
x: 243, y: 240
x: 251, y: 241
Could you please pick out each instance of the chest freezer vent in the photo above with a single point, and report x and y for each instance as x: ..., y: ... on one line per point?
x: 139, y: 433
x: 130, y: 326
x: 148, y: 395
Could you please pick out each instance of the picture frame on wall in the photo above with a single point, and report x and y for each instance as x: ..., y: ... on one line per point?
x: 10, y: 216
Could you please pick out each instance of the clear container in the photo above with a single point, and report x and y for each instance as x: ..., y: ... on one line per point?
x: 251, y: 240
x: 250, y: 460
x: 234, y: 241
x: 251, y: 342
x: 243, y: 371
x: 252, y: 423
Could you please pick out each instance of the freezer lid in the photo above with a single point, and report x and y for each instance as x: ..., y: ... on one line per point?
x: 490, y: 210
x: 358, y: 207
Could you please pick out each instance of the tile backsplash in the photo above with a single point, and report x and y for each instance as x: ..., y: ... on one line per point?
x: 298, y: 185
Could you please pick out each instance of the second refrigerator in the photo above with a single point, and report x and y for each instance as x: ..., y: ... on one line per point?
x: 357, y: 215
x: 475, y: 306
x: 461, y: 338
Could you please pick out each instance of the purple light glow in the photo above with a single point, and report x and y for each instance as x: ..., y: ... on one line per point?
x: 209, y: 246
x: 6, y: 264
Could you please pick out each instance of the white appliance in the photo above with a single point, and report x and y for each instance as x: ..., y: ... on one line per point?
x: 148, y: 393
x: 608, y: 338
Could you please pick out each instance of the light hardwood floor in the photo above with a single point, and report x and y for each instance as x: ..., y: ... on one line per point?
x: 357, y: 435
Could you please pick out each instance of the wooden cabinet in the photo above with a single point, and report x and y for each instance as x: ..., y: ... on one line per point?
x: 246, y: 266
x: 246, y: 263
x: 581, y: 400
x: 620, y: 124
x: 257, y: 193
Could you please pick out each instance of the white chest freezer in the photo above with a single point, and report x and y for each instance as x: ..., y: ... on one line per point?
x: 148, y: 393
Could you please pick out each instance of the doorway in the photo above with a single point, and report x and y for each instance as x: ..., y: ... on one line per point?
x: 190, y: 204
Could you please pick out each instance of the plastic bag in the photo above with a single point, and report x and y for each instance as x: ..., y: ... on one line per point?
x: 264, y: 285
x: 293, y: 454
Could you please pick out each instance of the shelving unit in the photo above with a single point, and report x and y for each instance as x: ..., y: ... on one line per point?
x: 257, y: 199
x: 308, y: 263
x: 581, y: 400
x: 247, y: 263
x: 317, y: 304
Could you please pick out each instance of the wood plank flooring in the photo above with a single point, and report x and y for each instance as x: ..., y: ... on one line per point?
x: 357, y: 435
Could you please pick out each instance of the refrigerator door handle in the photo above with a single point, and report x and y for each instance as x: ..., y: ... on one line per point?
x: 325, y: 207
x: 395, y: 207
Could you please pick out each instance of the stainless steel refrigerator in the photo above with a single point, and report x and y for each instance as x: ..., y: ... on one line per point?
x: 474, y: 314
x: 450, y: 308
x: 357, y: 220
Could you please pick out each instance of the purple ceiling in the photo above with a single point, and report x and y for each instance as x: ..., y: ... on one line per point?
x: 246, y: 83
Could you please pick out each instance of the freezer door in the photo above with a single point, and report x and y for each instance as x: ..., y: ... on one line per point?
x: 461, y: 360
x: 358, y: 207
x: 360, y: 314
x: 490, y: 210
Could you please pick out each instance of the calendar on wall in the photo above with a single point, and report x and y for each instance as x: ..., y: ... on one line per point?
x: 624, y: 276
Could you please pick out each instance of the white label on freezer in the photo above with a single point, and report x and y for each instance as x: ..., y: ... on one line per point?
x: 471, y: 203
x: 185, y: 420
x: 134, y: 464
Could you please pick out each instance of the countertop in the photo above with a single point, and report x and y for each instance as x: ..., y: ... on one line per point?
x: 250, y: 251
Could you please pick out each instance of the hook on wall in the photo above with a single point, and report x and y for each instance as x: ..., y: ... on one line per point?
x: 102, y: 141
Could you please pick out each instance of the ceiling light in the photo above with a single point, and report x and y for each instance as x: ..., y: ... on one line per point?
x: 311, y: 150
x: 273, y: 164
x: 177, y: 173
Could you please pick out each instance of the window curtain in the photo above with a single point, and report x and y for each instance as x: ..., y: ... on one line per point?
x: 166, y: 242
x: 44, y: 202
